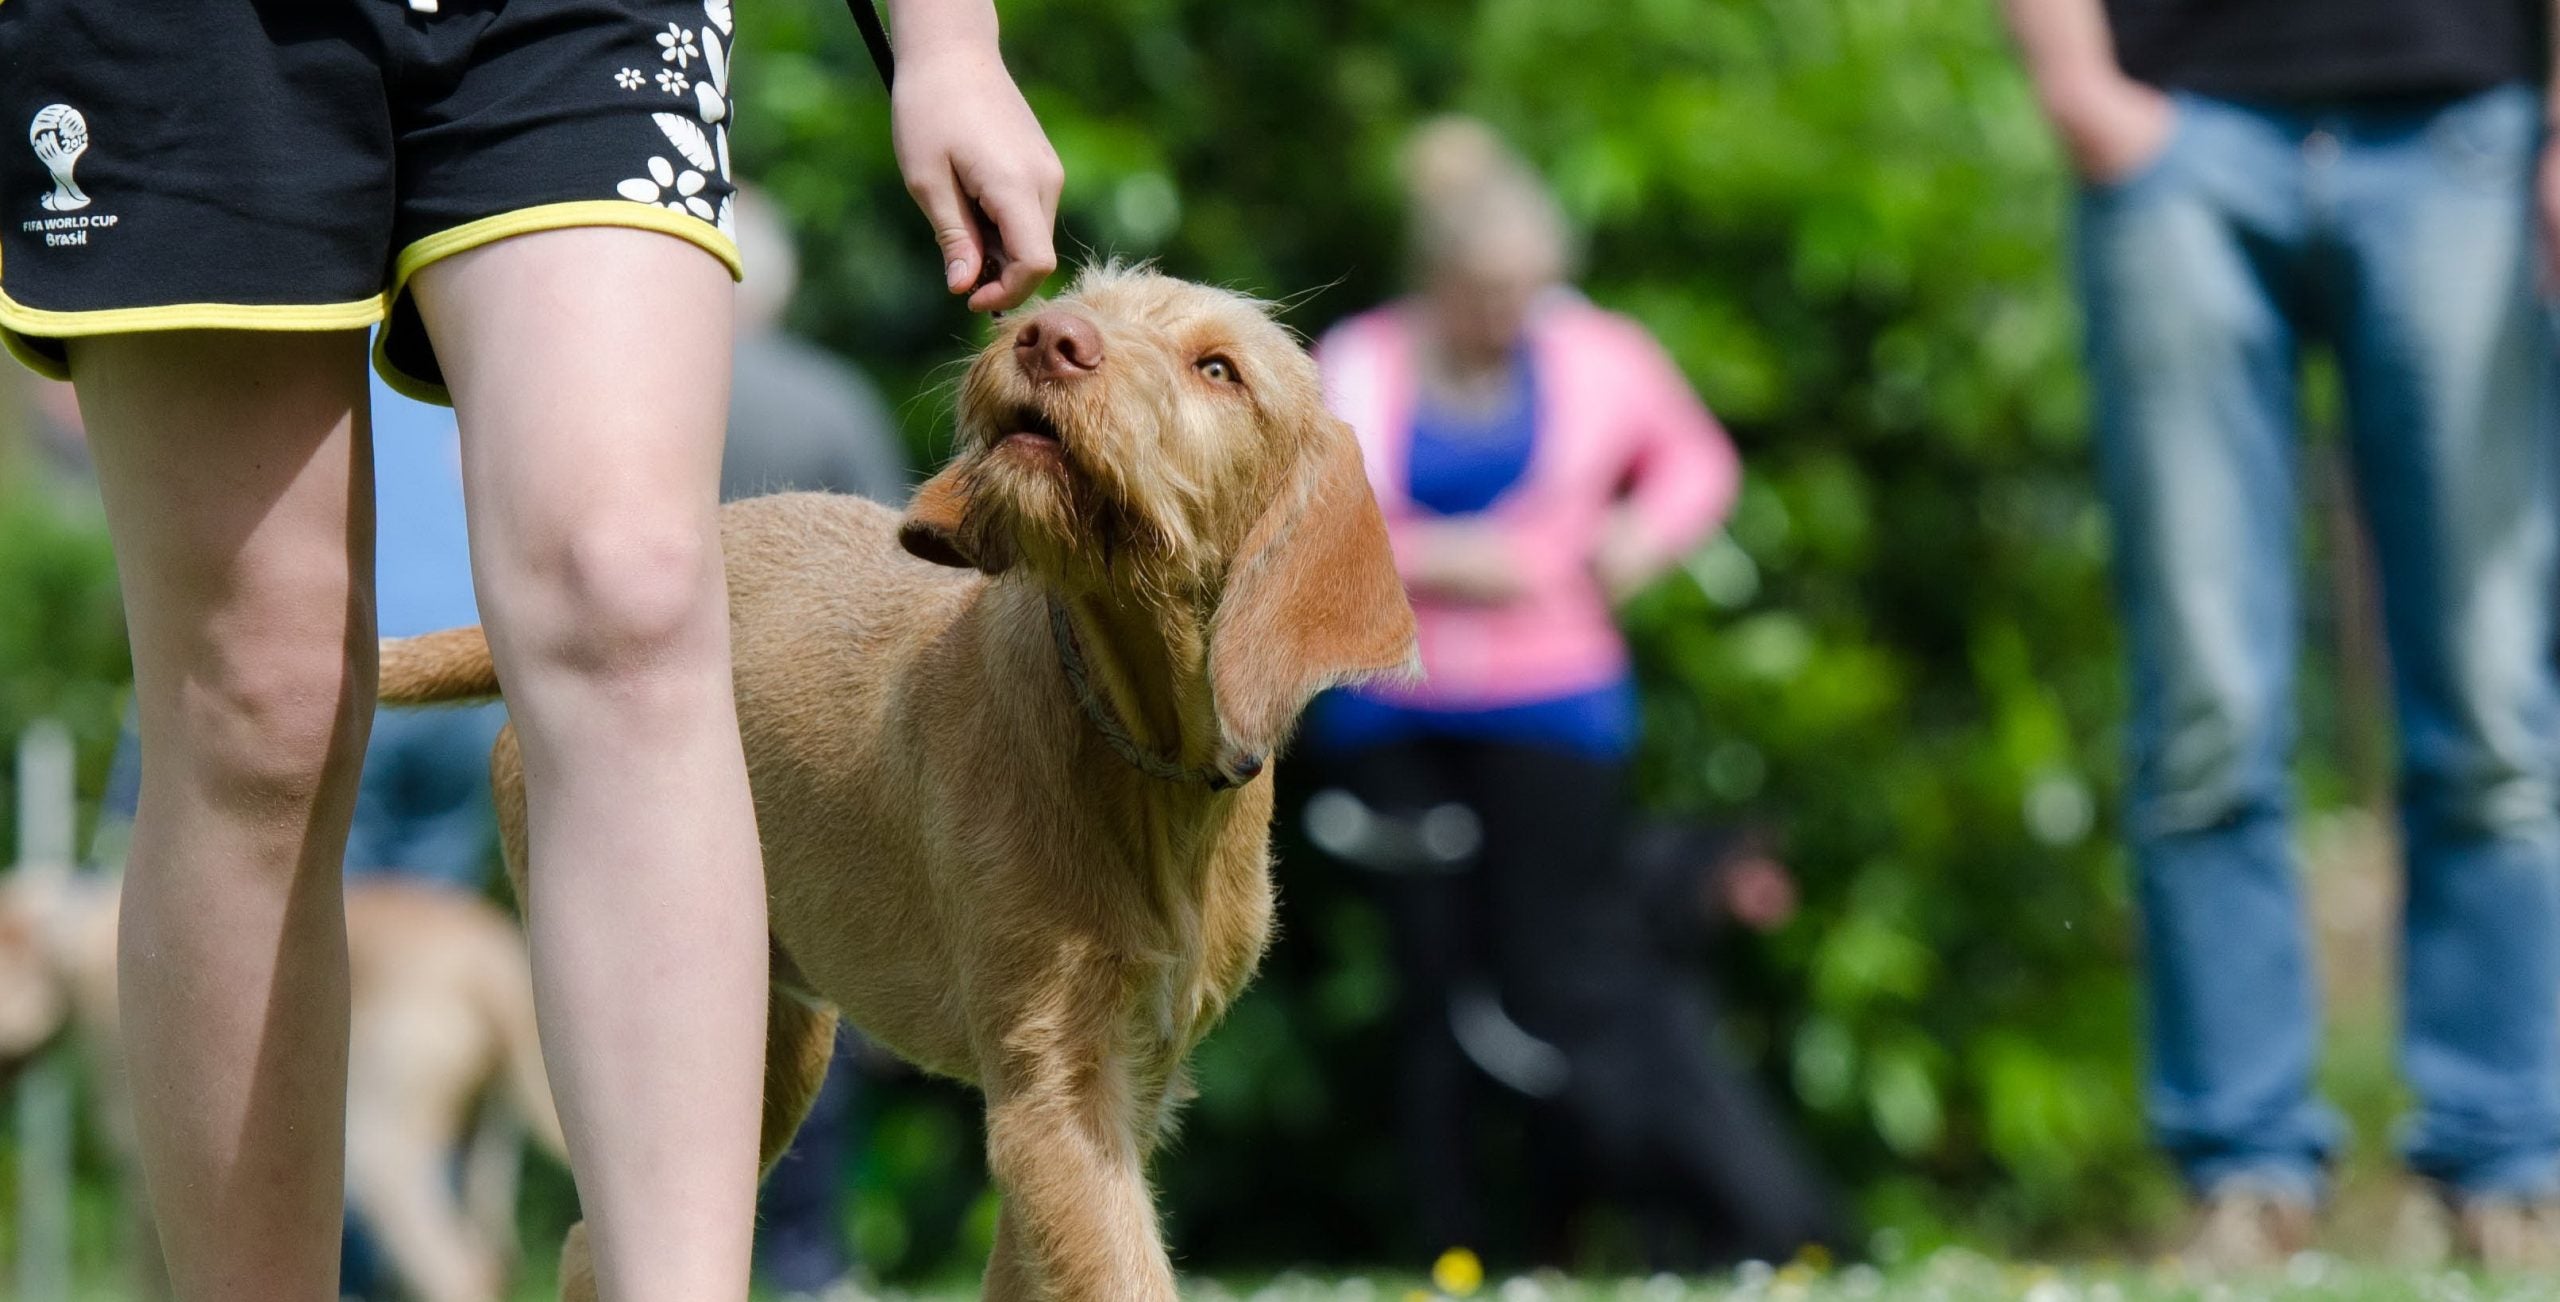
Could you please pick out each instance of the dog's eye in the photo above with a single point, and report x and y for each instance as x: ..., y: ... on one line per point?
x: 1219, y: 369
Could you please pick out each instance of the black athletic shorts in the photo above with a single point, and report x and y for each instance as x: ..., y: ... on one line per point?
x: 291, y: 164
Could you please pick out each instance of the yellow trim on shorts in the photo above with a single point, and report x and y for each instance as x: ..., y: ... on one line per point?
x: 51, y: 368
x: 20, y: 323
x: 527, y: 221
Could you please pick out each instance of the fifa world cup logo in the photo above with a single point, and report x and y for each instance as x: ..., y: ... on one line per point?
x: 60, y: 136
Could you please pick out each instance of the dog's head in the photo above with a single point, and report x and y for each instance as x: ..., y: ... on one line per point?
x: 1148, y: 438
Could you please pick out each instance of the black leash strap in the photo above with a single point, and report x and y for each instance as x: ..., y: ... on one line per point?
x: 876, y: 38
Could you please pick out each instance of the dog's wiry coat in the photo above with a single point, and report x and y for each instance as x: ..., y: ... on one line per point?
x: 956, y: 857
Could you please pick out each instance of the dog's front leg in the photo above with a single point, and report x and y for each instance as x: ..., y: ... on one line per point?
x: 1011, y: 1274
x: 1078, y: 1223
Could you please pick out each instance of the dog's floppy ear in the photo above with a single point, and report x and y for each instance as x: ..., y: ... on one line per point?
x: 942, y: 524
x: 1312, y: 601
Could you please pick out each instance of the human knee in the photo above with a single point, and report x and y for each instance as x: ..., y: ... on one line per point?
x: 2216, y: 759
x: 620, y: 599
x: 2475, y: 787
x: 2480, y: 744
x: 271, y: 722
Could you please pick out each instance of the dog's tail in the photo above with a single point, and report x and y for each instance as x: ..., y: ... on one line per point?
x: 451, y: 667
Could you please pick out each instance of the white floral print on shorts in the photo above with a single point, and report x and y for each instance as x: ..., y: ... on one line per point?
x: 700, y: 142
x: 675, y: 45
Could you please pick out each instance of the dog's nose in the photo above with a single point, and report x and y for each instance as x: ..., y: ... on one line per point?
x: 1057, y: 345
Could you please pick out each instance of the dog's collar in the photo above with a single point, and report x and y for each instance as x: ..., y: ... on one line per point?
x: 1098, y: 712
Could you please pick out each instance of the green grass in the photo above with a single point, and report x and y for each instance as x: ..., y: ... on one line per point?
x: 1951, y: 1276
x: 1948, y: 1278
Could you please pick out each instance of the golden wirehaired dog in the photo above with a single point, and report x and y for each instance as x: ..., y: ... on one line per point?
x: 1010, y: 753
x: 441, y: 1012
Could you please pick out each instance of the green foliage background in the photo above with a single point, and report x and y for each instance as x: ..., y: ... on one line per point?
x: 62, y: 645
x: 1845, y: 221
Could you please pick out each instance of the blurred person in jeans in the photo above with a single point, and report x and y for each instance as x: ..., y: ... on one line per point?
x: 1536, y: 458
x: 802, y: 418
x: 2259, y: 175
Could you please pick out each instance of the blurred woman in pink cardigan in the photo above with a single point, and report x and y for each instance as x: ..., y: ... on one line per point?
x: 1538, y: 458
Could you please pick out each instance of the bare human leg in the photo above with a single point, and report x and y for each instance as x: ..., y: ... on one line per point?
x: 237, y: 475
x: 590, y: 371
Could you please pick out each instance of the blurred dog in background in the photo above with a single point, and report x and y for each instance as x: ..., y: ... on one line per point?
x: 443, y: 1059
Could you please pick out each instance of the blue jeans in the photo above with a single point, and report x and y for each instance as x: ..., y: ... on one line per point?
x: 2400, y: 237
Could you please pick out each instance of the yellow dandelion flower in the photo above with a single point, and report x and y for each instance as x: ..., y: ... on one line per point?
x: 1458, y: 1273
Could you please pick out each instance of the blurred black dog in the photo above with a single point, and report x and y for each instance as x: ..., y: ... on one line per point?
x: 1689, y: 1138
x: 1590, y: 1000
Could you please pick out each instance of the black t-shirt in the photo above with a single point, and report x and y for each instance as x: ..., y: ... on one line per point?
x: 2331, y: 49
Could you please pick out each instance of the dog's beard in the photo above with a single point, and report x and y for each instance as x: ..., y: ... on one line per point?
x: 1066, y: 526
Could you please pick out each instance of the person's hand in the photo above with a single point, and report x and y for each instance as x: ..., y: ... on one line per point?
x: 1757, y: 892
x: 978, y: 164
x: 2113, y: 127
x: 1624, y: 562
x: 1464, y: 562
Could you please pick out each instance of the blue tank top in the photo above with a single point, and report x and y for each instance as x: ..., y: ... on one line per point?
x: 1459, y: 462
